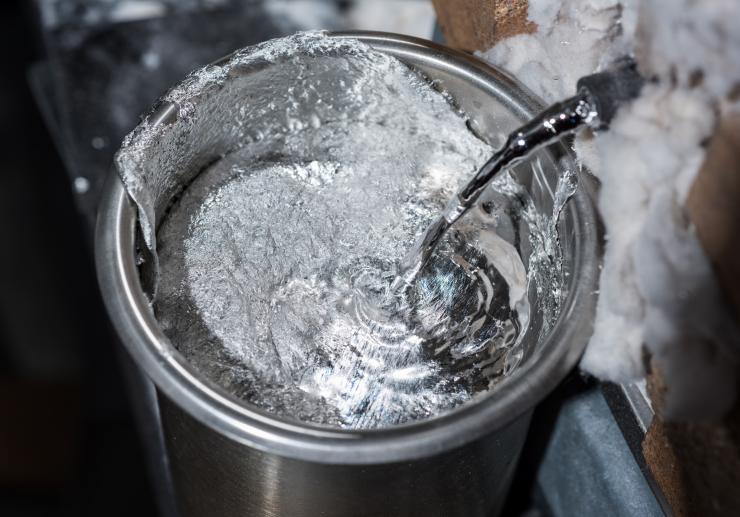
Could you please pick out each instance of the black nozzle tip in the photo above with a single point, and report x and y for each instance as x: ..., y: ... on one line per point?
x: 609, y: 89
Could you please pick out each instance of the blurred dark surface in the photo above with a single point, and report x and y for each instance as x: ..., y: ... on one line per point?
x: 67, y: 439
x: 98, y: 79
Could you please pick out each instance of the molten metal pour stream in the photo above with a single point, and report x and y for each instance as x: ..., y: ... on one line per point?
x: 598, y: 98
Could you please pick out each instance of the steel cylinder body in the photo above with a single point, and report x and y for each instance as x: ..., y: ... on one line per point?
x: 229, y: 460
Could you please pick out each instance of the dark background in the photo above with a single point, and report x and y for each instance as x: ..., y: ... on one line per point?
x: 67, y: 440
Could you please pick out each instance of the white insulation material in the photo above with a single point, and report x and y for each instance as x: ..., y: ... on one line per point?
x: 658, y: 292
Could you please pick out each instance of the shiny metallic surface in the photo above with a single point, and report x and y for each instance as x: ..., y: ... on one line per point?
x: 231, y: 459
x: 217, y: 476
x: 547, y: 127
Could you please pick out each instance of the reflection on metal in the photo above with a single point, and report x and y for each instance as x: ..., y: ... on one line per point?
x: 637, y: 397
x: 589, y: 467
x: 457, y: 464
x: 633, y: 413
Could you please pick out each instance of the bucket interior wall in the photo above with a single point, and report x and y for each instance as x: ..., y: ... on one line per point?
x: 247, y: 110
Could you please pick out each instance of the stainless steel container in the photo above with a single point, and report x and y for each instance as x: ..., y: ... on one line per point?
x: 230, y: 459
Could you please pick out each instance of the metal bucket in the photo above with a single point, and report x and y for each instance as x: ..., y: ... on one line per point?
x: 229, y: 459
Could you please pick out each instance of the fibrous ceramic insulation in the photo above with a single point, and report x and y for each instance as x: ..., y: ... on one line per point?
x: 658, y: 292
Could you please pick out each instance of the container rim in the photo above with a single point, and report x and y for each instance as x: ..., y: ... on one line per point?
x: 134, y: 321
